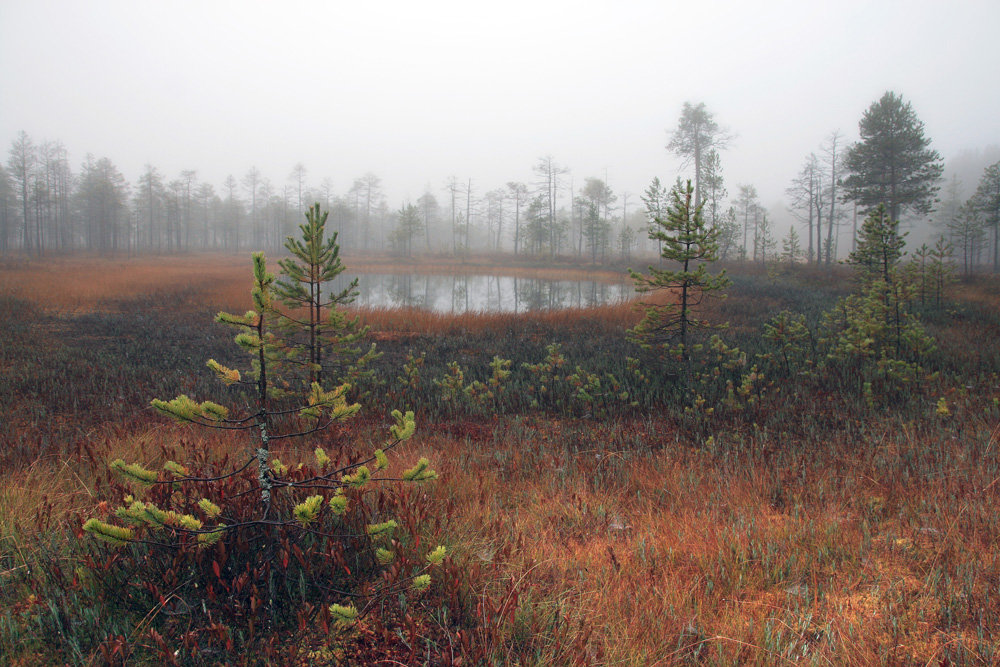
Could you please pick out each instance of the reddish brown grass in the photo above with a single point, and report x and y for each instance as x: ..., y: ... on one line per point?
x: 654, y: 551
x: 77, y: 284
x: 395, y: 321
x: 668, y: 553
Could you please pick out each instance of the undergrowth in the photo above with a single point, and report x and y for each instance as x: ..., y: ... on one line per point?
x: 630, y: 524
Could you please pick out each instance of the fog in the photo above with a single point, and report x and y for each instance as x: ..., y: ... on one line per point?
x: 417, y: 92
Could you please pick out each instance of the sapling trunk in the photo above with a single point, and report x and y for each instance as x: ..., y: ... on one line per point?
x: 263, y: 411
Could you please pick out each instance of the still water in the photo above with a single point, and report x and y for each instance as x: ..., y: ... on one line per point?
x: 481, y: 293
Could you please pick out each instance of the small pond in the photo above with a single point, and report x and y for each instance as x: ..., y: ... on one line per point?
x: 481, y: 293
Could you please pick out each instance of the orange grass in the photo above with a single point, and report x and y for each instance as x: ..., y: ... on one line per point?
x: 63, y: 483
x: 664, y: 544
x: 80, y: 284
x: 390, y: 322
x: 662, y: 552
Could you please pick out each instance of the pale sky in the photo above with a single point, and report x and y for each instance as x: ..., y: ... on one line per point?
x: 419, y: 91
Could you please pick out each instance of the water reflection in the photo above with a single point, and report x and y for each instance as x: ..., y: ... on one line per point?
x: 482, y: 293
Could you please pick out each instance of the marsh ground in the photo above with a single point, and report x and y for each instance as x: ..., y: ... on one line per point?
x: 813, y: 524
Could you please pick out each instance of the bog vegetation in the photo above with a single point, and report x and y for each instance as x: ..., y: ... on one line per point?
x: 814, y: 483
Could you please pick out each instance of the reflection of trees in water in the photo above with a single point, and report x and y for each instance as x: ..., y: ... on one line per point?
x: 532, y: 295
x: 547, y: 295
x: 599, y: 294
x: 401, y: 291
x: 544, y: 294
x: 459, y: 294
x: 494, y: 293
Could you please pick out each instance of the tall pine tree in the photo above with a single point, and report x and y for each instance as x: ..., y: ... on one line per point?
x: 986, y: 201
x: 892, y: 164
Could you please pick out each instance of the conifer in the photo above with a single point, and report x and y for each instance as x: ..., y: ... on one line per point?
x: 315, y: 324
x: 880, y: 247
x: 687, y: 240
x: 315, y: 505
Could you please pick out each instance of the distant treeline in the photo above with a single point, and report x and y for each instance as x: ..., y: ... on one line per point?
x: 47, y: 207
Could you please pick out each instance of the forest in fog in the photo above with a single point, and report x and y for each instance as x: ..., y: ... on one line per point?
x: 49, y: 203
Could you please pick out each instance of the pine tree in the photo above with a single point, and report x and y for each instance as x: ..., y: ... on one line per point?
x: 268, y: 353
x: 687, y: 240
x: 318, y: 513
x: 986, y: 201
x: 409, y: 224
x: 880, y: 247
x: 942, y: 269
x: 765, y: 238
x: 729, y: 233
x: 655, y: 198
x: 714, y: 188
x: 791, y: 247
x: 697, y: 136
x: 919, y: 273
x: 967, y: 231
x: 892, y: 164
x: 883, y: 300
x: 315, y: 321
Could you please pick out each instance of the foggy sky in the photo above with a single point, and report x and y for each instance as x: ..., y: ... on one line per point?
x: 419, y: 91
